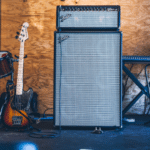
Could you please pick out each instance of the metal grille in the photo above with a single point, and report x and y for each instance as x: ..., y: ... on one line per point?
x: 90, y: 17
x: 90, y: 78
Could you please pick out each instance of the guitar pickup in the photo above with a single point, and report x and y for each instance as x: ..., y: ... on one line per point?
x: 17, y: 120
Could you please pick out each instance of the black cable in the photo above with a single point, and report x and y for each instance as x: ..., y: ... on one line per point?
x: 41, y: 134
x: 46, y: 110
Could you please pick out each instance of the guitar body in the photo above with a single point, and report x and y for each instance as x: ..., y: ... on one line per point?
x: 24, y: 99
x: 11, y: 117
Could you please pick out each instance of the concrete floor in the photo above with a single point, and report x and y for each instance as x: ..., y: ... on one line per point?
x: 133, y: 136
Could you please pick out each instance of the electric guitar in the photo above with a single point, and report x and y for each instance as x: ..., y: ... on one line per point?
x: 14, y: 113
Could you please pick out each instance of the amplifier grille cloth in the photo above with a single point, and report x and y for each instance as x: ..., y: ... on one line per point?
x: 90, y: 19
x: 90, y: 80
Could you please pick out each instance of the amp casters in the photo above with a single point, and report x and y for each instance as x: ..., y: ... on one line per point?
x: 97, y: 130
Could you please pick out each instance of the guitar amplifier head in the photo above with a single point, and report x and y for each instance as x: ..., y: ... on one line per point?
x: 87, y: 79
x: 88, y: 17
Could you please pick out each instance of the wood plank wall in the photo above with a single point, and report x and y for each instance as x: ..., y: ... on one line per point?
x: 41, y: 16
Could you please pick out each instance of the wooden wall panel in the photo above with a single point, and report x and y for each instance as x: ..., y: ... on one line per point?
x: 41, y: 16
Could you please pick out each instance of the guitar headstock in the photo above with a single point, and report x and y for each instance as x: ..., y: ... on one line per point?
x: 23, y: 35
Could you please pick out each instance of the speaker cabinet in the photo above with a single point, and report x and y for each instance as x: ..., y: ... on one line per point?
x: 87, y: 79
x: 88, y: 17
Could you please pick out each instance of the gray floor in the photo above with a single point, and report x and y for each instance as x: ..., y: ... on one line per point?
x: 133, y: 136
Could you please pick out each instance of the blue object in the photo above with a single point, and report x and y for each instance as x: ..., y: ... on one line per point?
x: 136, y: 59
x: 45, y: 118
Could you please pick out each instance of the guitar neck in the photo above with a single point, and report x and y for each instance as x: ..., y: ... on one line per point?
x: 19, y: 88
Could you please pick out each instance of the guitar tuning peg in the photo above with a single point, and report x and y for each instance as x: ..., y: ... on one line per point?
x: 16, y: 56
x: 25, y: 56
x: 16, y: 37
x: 18, y: 33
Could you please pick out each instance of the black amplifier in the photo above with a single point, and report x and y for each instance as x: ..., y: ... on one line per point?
x: 88, y: 17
